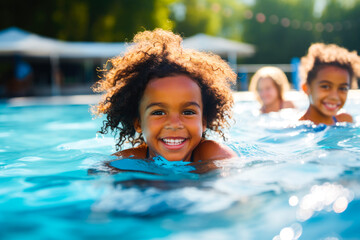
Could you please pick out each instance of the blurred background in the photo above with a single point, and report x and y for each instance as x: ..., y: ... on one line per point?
x: 57, y: 47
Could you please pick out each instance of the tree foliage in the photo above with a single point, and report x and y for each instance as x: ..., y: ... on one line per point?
x: 346, y: 21
x: 213, y: 17
x: 86, y: 20
x: 285, y: 29
x: 296, y: 27
x: 279, y: 36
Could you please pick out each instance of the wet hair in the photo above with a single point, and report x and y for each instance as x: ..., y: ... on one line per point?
x: 321, y: 55
x: 158, y: 54
x: 276, y: 74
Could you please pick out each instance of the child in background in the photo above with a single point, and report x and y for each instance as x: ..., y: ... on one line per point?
x: 327, y: 72
x: 269, y: 84
x: 162, y: 99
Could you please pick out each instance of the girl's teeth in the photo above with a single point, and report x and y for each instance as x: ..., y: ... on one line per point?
x: 173, y: 141
x: 331, y: 105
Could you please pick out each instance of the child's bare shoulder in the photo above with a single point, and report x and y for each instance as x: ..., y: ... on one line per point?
x: 211, y: 150
x: 137, y: 152
x: 344, y: 117
x: 289, y: 104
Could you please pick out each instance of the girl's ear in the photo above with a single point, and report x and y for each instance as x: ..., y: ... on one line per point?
x: 306, y: 88
x: 137, y: 126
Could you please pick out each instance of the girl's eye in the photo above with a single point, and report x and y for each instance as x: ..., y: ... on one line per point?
x: 325, y: 86
x: 344, y: 89
x: 158, y: 112
x: 189, y: 112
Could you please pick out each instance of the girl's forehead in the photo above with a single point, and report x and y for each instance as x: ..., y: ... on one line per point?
x: 265, y: 81
x: 177, y: 81
x: 332, y: 73
x: 171, y: 89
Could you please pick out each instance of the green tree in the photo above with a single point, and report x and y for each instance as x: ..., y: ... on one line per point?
x: 280, y: 29
x: 342, y: 25
x: 33, y: 16
x: 86, y: 20
x: 123, y: 19
x: 213, y: 17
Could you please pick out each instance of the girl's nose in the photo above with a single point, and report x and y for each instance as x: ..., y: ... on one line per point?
x: 174, y: 122
x: 334, y: 94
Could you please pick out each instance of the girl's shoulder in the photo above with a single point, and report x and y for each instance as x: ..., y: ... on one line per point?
x: 288, y: 104
x: 344, y: 117
x: 136, y: 152
x: 212, y: 150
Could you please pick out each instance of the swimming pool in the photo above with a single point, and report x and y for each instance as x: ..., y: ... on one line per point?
x: 291, y: 181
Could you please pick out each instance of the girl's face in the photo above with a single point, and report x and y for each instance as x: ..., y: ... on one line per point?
x: 267, y: 91
x: 171, y: 117
x: 328, y: 90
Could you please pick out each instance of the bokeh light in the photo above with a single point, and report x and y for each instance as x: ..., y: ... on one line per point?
x: 293, y: 201
x: 260, y: 17
x: 292, y: 232
x: 285, y: 22
x: 324, y: 197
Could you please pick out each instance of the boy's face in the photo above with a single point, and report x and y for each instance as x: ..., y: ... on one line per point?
x: 171, y: 117
x: 328, y: 91
x: 267, y: 91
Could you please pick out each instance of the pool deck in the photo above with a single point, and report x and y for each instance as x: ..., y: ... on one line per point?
x: 94, y: 99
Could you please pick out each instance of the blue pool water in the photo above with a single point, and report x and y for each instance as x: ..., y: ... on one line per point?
x: 291, y: 181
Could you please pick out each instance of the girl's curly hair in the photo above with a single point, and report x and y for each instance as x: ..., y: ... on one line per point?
x: 321, y: 55
x: 157, y: 54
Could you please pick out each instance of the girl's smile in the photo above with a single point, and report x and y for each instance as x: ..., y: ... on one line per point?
x: 174, y: 143
x: 171, y: 117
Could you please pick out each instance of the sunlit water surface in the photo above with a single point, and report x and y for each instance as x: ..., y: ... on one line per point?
x: 291, y: 181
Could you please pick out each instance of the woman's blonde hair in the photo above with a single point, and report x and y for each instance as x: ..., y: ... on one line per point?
x: 276, y: 74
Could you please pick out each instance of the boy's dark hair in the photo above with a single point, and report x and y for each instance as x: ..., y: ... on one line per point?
x: 321, y: 55
x: 158, y: 54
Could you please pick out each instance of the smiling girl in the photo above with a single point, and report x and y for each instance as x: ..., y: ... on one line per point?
x: 269, y: 85
x: 163, y: 99
x: 328, y: 72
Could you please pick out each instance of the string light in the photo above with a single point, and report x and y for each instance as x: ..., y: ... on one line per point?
x: 285, y: 22
x: 260, y: 17
x: 297, y: 24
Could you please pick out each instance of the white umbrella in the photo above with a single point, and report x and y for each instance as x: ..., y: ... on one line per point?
x: 15, y: 41
x: 217, y: 45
